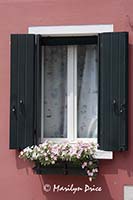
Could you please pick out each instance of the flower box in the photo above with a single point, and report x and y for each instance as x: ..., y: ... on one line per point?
x: 63, y: 158
x: 60, y: 168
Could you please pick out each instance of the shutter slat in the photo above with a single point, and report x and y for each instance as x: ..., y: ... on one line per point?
x: 22, y: 84
x: 113, y: 91
x: 22, y: 50
x: 13, y: 93
x: 38, y: 89
x: 30, y: 80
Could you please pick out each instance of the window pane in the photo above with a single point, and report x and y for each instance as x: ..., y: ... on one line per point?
x: 87, y: 102
x: 55, y: 108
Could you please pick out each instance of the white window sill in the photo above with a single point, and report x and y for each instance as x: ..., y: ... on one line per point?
x: 104, y: 154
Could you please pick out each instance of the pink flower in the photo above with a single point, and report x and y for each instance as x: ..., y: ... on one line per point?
x: 93, y: 170
x: 55, y: 158
x: 96, y: 170
x: 88, y: 172
x: 91, y: 174
x: 78, y: 155
x: 90, y: 179
x: 84, y: 165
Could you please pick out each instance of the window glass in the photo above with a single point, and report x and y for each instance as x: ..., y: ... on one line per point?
x: 55, y: 87
x: 87, y: 91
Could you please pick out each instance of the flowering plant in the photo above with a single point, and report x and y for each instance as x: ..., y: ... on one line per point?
x: 49, y: 153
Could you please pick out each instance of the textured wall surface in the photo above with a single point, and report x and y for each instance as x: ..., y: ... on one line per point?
x: 17, y: 180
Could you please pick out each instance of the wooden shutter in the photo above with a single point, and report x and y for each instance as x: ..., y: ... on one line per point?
x: 22, y: 90
x: 113, y: 91
x: 37, y: 106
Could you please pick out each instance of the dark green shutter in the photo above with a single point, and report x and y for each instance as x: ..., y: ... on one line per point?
x: 22, y: 90
x: 113, y: 91
x: 37, y: 120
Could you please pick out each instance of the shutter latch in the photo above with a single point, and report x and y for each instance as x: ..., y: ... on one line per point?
x: 118, y: 111
x: 22, y: 109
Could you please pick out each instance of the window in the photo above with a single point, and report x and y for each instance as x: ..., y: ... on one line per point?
x: 108, y: 94
x: 69, y: 91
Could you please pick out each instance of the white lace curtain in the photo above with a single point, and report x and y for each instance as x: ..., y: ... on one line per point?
x: 55, y: 91
x: 55, y: 99
x: 87, y: 91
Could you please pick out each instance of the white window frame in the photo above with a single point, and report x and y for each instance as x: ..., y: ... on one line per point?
x: 75, y: 30
x: 72, y: 93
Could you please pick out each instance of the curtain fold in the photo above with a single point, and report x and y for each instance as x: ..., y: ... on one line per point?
x: 87, y: 91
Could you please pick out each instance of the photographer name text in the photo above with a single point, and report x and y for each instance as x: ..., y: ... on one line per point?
x: 71, y: 188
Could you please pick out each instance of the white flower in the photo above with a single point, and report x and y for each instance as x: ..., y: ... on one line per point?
x: 53, y: 162
x: 34, y: 156
x: 46, y: 158
x: 21, y: 153
x: 45, y: 154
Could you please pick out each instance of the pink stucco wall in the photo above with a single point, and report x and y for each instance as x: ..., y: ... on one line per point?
x: 17, y: 180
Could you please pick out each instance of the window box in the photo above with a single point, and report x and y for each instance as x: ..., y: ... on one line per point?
x: 63, y: 158
x: 60, y: 168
